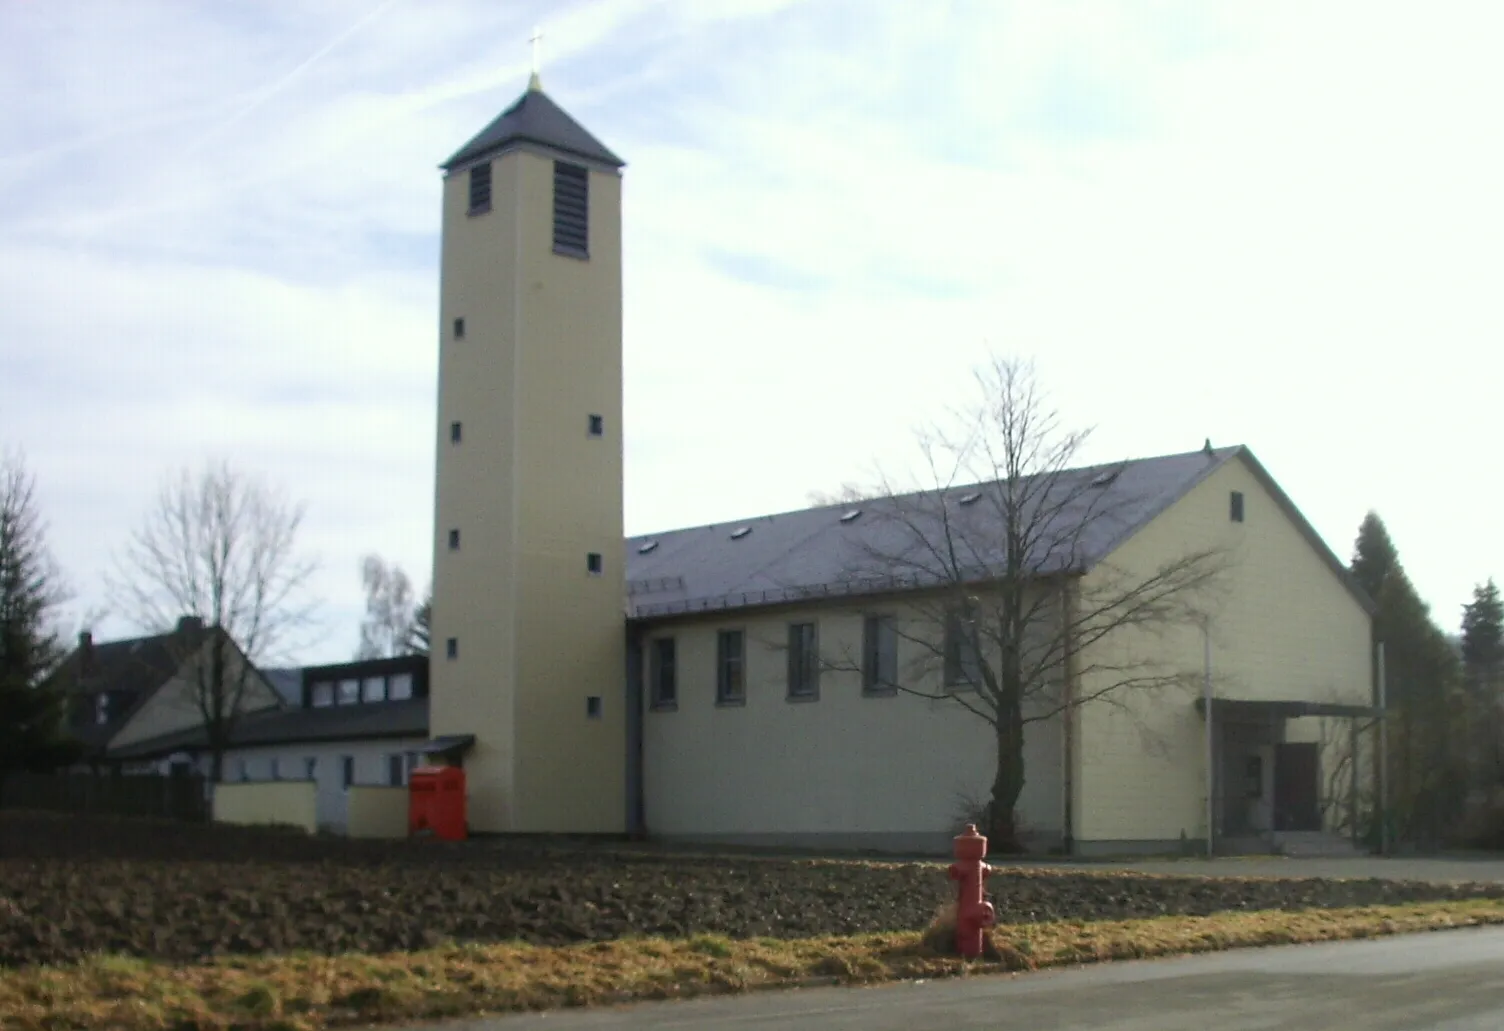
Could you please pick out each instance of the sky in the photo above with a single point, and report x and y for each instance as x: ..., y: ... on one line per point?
x: 1265, y: 223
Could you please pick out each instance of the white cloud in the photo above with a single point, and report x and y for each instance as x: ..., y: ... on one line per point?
x: 1267, y: 223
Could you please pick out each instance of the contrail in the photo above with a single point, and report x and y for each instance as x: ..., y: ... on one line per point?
x: 282, y: 83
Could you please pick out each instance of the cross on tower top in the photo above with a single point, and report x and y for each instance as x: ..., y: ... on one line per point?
x: 536, y: 40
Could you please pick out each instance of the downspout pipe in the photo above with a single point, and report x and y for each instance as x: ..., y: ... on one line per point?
x: 1067, y: 719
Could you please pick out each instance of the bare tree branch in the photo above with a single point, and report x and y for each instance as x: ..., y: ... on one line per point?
x: 1004, y: 527
x: 218, y: 547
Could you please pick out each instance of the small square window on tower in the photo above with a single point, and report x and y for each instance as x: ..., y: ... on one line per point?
x: 593, y: 707
x: 593, y: 564
x: 480, y: 188
x: 571, y: 210
x: 454, y: 540
x: 1235, y: 506
x: 452, y: 648
x: 597, y: 425
x: 459, y: 329
x: 454, y: 433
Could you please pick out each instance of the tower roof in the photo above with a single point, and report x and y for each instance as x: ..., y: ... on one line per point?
x: 535, y: 118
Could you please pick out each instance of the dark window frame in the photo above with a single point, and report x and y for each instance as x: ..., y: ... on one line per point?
x: 661, y: 674
x: 1235, y: 507
x: 396, y: 770
x: 804, y: 661
x: 454, y: 538
x: 452, y: 648
x: 459, y: 327
x: 880, y: 653
x: 595, y: 563
x: 595, y: 426
x: 729, y: 667
x: 961, y: 649
x: 456, y: 432
x: 346, y: 772
x: 594, y: 707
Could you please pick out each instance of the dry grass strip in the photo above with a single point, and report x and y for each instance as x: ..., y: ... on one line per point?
x: 303, y: 992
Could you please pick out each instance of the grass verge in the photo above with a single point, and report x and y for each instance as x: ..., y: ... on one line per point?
x: 300, y: 992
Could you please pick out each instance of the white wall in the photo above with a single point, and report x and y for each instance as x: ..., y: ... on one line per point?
x: 848, y: 769
x: 370, y: 768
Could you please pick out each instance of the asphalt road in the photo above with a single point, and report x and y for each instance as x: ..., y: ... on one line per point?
x: 1444, y: 981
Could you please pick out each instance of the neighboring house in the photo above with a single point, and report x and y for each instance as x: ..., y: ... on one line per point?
x: 122, y: 692
x: 353, y: 723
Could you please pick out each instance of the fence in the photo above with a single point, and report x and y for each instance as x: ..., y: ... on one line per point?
x: 173, y: 797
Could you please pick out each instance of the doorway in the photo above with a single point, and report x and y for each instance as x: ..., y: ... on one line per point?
x: 1297, y: 786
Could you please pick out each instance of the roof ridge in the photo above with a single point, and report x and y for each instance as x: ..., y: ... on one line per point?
x: 1222, y: 454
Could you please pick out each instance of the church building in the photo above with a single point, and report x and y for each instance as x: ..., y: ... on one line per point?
x: 733, y: 683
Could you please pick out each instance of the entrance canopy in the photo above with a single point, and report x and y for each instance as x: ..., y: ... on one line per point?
x: 452, y: 745
x: 1259, y: 710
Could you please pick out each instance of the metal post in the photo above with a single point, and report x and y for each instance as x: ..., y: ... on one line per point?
x: 1383, y: 758
x: 1211, y: 745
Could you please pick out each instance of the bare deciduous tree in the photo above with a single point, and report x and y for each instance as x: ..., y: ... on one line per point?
x: 391, y: 613
x: 219, y: 546
x: 1001, y: 613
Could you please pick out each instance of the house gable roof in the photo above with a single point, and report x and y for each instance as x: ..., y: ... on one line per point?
x: 134, y: 669
x: 811, y: 553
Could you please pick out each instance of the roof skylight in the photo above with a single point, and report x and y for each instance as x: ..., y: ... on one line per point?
x: 643, y: 549
x: 1103, y: 479
x: 847, y: 517
x: 970, y: 499
x: 740, y: 532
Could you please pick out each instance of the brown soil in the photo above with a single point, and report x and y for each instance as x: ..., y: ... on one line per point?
x: 70, y: 886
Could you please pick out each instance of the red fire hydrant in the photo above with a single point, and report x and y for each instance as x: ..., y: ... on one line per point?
x: 974, y: 914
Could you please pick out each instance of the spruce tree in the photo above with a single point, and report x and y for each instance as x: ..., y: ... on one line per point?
x: 1483, y: 675
x: 1428, y: 772
x: 33, y: 733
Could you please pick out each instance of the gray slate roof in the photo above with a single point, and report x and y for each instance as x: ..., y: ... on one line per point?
x: 812, y: 553
x: 535, y: 118
x: 290, y: 726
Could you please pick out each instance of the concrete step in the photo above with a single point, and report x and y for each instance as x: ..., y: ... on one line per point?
x: 1315, y: 843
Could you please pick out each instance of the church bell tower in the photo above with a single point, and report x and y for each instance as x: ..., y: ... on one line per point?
x: 528, y: 642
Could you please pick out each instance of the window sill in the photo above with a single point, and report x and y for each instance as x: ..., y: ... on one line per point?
x: 663, y: 707
x: 473, y: 212
x: 879, y: 692
x: 802, y: 698
x: 571, y: 252
x: 731, y: 703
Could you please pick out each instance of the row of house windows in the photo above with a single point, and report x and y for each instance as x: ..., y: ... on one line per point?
x: 398, y: 768
x: 358, y: 690
x: 802, y: 671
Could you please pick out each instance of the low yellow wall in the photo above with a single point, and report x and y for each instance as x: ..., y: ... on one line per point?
x: 377, y: 812
x: 290, y: 802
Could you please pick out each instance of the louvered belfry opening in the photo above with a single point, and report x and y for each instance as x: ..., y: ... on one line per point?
x: 480, y: 188
x: 571, y: 209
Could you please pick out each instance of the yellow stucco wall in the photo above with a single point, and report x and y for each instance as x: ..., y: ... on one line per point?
x: 175, y: 706
x: 847, y: 765
x: 287, y: 802
x: 1285, y: 628
x: 532, y: 494
x: 376, y: 812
